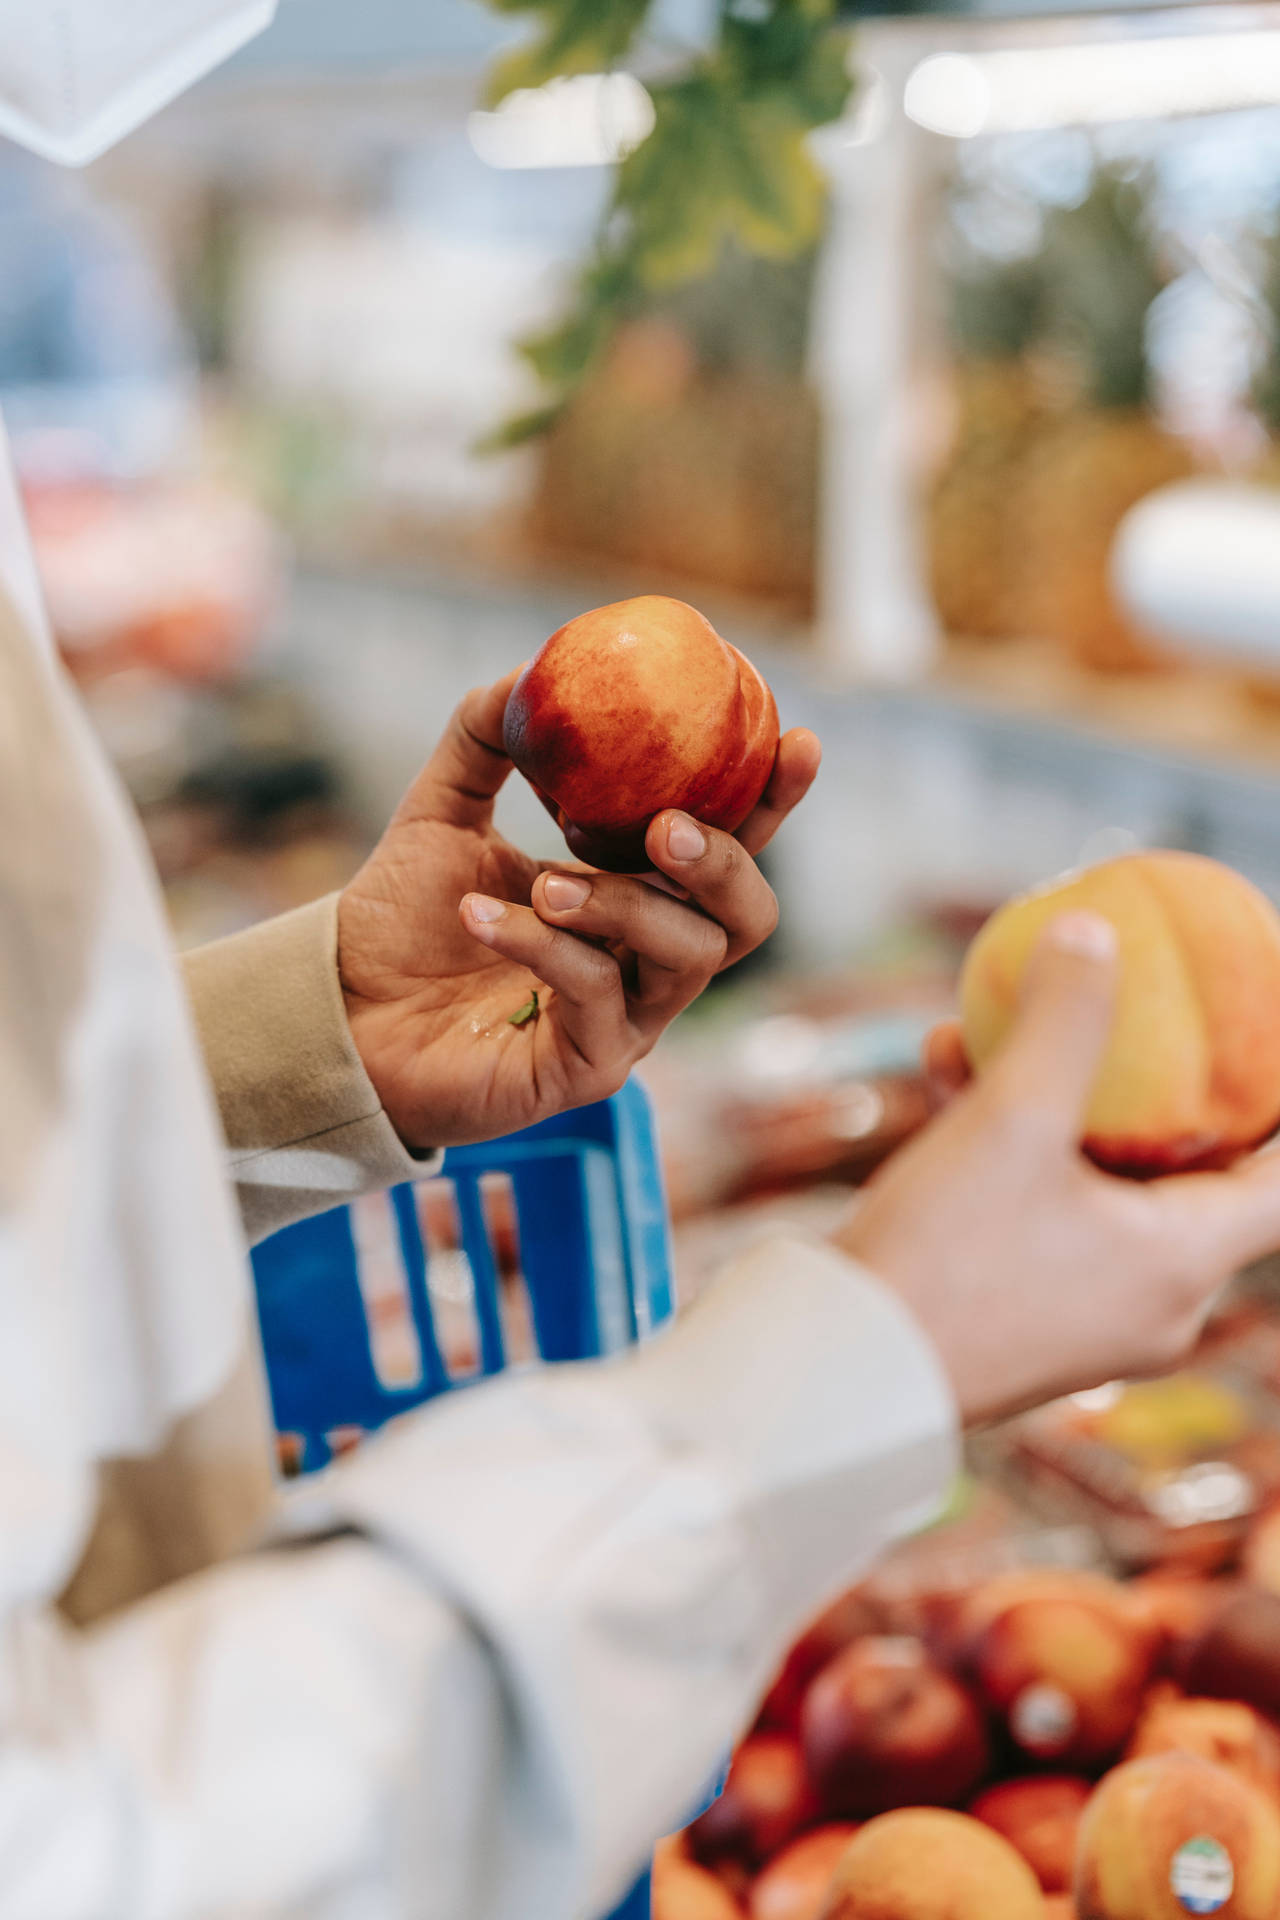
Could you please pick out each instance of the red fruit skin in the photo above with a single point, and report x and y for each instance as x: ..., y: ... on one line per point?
x: 883, y: 1727
x: 633, y: 708
x: 1237, y: 1657
x: 1176, y: 1608
x: 849, y: 1618
x: 767, y: 1799
x: 1040, y: 1816
x: 794, y: 1884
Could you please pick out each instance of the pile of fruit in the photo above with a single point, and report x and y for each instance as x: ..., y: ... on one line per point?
x: 1048, y: 1745
x: 1057, y: 434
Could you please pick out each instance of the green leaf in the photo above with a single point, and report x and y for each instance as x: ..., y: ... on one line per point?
x: 792, y: 58
x: 678, y: 188
x: 575, y: 36
x: 727, y: 159
x: 521, y: 429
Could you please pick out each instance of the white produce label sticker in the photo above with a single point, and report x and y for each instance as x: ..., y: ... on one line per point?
x: 1201, y: 1875
x: 1042, y: 1719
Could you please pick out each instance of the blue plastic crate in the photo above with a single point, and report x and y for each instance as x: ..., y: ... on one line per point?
x: 594, y: 1263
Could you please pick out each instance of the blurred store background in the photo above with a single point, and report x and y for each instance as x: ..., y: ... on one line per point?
x: 257, y: 360
x: 262, y: 368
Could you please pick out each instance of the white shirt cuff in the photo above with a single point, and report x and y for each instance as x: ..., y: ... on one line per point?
x: 810, y: 1381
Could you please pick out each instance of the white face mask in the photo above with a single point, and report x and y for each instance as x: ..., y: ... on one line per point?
x: 77, y: 75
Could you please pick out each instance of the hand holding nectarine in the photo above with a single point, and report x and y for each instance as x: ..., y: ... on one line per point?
x: 1034, y: 1272
x: 485, y: 990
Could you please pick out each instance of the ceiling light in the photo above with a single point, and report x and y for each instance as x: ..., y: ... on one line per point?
x: 582, y: 120
x: 1027, y: 89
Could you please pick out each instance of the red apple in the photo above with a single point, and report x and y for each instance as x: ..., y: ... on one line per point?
x: 847, y: 1619
x: 794, y: 1885
x: 884, y: 1727
x: 635, y: 707
x: 766, y: 1801
x: 1038, y: 1815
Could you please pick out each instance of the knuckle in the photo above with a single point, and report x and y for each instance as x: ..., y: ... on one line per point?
x: 599, y: 969
x: 723, y: 860
x: 715, y: 947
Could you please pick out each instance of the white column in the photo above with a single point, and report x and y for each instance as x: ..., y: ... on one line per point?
x: 875, y: 619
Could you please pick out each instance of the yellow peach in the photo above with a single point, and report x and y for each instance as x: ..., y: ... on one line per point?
x: 1190, y: 1076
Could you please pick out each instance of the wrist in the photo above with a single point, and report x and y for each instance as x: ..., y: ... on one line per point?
x: 372, y: 1022
x: 956, y: 1331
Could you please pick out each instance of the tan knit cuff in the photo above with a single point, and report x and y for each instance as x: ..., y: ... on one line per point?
x: 303, y: 1123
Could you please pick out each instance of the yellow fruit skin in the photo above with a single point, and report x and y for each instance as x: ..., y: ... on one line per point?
x: 1140, y: 1816
x: 1190, y: 1076
x: 924, y: 1863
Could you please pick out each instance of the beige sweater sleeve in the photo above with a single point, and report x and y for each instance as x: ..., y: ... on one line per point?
x: 303, y: 1124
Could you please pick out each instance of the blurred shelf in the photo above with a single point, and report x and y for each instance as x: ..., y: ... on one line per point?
x: 1210, y: 716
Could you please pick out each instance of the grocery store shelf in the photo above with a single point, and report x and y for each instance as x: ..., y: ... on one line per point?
x: 1213, y: 715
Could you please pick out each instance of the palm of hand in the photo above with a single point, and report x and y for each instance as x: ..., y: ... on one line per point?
x: 431, y: 1007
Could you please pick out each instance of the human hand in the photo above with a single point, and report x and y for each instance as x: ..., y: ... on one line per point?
x: 448, y: 931
x: 1034, y: 1273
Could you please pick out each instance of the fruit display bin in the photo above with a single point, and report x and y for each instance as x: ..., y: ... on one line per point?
x: 552, y: 1244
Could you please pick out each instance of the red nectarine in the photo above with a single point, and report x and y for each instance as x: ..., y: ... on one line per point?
x: 848, y: 1618
x: 635, y: 707
x: 1039, y: 1815
x: 766, y: 1800
x: 883, y: 1727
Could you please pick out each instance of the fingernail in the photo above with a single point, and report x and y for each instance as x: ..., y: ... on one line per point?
x: 684, y: 840
x: 485, y: 909
x: 1085, y: 934
x: 564, y: 890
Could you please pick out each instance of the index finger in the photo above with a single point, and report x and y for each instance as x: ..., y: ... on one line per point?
x: 795, y: 768
x: 459, y: 783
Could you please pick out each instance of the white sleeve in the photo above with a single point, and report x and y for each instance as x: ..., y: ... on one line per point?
x: 558, y: 1599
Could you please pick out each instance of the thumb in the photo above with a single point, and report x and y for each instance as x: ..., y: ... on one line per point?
x: 1050, y: 1060
x: 461, y: 779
